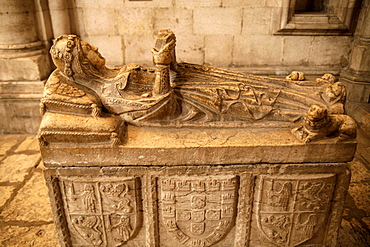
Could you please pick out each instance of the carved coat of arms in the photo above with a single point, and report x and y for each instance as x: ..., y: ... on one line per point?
x: 103, y: 213
x: 199, y: 211
x: 292, y: 210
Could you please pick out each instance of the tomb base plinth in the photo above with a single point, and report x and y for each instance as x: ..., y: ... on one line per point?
x: 198, y: 187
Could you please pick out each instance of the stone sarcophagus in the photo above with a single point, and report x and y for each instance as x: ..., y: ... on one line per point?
x: 191, y: 155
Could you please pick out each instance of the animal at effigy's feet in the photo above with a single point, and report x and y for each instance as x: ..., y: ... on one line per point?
x: 179, y: 94
x: 318, y: 124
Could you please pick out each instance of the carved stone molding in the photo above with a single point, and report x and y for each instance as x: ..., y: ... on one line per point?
x: 338, y: 19
x: 251, y: 205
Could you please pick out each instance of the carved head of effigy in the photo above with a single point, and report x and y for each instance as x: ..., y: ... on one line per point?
x: 73, y: 56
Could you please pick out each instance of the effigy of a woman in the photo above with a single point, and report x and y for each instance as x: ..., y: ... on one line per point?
x: 182, y: 94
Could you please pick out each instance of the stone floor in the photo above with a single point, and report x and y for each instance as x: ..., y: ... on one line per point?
x: 25, y: 214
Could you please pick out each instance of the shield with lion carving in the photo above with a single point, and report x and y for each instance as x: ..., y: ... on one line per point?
x: 291, y: 210
x: 101, y: 211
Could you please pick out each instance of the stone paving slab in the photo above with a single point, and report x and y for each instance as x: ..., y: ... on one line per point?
x: 25, y: 212
x: 15, y: 168
x: 30, y: 196
x: 5, y: 193
x: 25, y: 236
x: 30, y: 143
x: 7, y: 142
x: 355, y: 227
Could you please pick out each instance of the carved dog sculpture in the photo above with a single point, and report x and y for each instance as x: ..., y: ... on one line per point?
x: 296, y: 76
x: 319, y: 124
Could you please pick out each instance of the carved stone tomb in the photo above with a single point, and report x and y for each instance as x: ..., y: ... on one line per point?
x: 191, y: 155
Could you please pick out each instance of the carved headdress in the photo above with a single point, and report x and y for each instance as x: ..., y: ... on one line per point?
x: 68, y: 55
x: 64, y: 50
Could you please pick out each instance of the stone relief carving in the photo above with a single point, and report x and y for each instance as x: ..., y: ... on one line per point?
x: 291, y: 210
x: 281, y: 197
x: 318, y: 124
x: 199, y: 211
x: 85, y: 102
x: 258, y: 207
x: 101, y: 212
x: 296, y: 76
x: 88, y: 227
x: 175, y: 94
x: 334, y: 94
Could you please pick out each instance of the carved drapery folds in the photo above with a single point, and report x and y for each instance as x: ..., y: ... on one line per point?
x: 182, y: 94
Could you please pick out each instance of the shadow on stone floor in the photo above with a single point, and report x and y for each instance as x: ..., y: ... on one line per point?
x: 25, y: 213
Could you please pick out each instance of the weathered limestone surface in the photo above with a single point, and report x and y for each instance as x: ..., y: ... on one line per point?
x: 23, y: 56
x: 194, y: 21
x: 39, y: 231
x: 19, y: 106
x: 24, y: 65
x: 127, y: 28
x: 192, y: 205
x: 357, y: 74
x: 189, y: 146
x: 25, y: 213
x: 190, y: 155
x: 26, y: 199
x: 17, y: 175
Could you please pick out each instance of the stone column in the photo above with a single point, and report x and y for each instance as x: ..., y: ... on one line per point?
x: 357, y: 75
x: 24, y: 65
x: 22, y: 55
x: 59, y: 17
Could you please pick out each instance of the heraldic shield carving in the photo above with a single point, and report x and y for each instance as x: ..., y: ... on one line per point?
x: 292, y: 209
x: 102, y: 212
x: 199, y: 211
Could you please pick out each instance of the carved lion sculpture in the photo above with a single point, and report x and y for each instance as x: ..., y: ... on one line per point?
x: 296, y: 76
x: 319, y: 124
x: 326, y: 78
x: 334, y: 94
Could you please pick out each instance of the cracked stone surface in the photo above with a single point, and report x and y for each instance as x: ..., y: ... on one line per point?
x: 22, y: 164
x: 22, y: 236
x: 30, y: 144
x: 5, y: 193
x: 25, y: 212
x: 31, y: 195
x: 8, y: 142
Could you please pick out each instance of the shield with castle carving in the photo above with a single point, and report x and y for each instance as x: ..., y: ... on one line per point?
x: 102, y: 212
x: 292, y: 210
x: 199, y: 211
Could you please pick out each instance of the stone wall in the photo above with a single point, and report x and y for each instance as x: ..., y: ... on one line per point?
x: 222, y: 33
x: 24, y: 63
x: 260, y: 37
